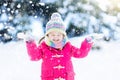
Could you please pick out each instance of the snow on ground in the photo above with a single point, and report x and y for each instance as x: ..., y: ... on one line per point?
x: 98, y: 65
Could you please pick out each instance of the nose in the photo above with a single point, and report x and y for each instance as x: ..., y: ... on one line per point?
x: 56, y: 36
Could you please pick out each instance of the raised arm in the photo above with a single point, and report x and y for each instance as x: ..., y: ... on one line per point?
x: 34, y: 52
x: 84, y: 49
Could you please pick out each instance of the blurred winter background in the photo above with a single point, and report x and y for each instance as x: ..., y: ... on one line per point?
x: 81, y: 17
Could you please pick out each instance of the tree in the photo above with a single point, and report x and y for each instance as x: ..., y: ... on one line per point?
x: 18, y: 12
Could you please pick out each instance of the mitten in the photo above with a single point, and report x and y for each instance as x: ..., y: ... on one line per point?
x: 89, y: 39
x: 28, y: 37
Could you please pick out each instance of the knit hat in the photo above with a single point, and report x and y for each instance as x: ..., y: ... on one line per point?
x: 55, y: 24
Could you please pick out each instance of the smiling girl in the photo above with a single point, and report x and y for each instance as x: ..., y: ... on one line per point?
x: 56, y: 51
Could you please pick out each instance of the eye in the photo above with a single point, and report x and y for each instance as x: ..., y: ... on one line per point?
x: 57, y: 35
x: 53, y: 35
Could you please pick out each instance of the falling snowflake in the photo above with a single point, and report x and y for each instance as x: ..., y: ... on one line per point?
x: 18, y: 6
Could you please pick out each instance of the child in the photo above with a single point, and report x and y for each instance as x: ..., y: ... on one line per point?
x: 56, y: 51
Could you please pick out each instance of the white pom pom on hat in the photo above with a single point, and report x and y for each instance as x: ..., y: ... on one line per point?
x: 56, y: 16
x: 55, y: 24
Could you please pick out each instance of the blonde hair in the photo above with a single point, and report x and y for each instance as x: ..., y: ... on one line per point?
x: 41, y: 39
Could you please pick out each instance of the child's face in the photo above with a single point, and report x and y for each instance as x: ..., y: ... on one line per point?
x: 56, y: 37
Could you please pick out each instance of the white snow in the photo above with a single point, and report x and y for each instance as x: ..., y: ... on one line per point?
x: 1, y: 26
x: 98, y: 65
x: 4, y: 16
x: 37, y: 29
x: 18, y: 6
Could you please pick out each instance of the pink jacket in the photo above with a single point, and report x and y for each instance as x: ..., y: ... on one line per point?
x: 57, y: 63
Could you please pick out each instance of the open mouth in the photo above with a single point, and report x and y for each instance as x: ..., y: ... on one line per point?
x: 56, y: 40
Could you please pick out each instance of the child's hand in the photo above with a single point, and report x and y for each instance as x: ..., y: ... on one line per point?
x: 28, y: 37
x: 89, y: 39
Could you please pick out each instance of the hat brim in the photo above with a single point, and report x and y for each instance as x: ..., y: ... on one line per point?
x: 55, y: 30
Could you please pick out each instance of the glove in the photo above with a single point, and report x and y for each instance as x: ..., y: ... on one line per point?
x: 89, y: 39
x: 28, y: 37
